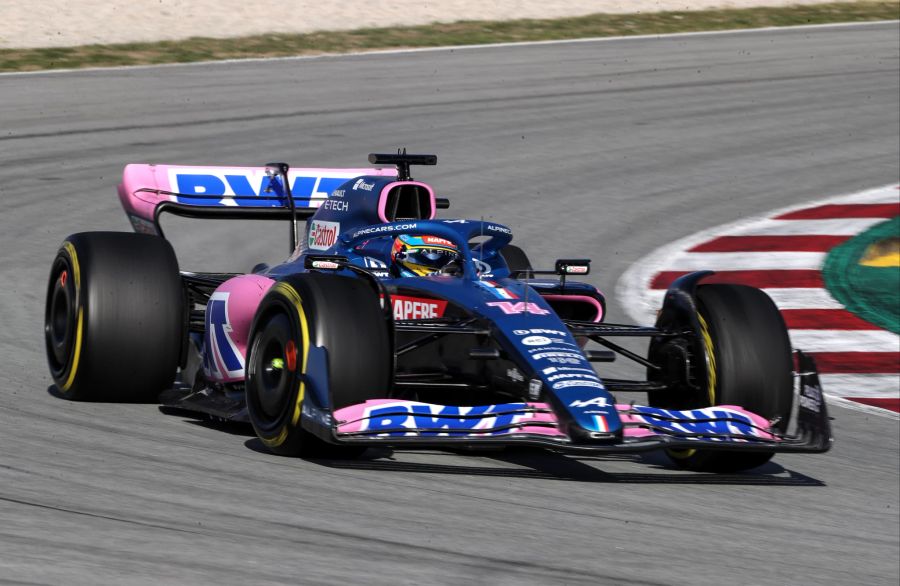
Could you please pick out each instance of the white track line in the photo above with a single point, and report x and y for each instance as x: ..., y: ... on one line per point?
x: 467, y: 47
x: 845, y: 340
x: 830, y: 227
x: 861, y: 385
x: 854, y: 406
x: 877, y: 195
x: 803, y: 298
x: 737, y: 261
x: 799, y: 298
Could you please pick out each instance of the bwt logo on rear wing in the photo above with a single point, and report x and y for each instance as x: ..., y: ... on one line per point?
x: 145, y: 187
x: 251, y: 187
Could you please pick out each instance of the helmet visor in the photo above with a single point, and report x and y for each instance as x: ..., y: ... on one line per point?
x: 431, y: 258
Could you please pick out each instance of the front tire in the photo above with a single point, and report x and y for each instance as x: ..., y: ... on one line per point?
x: 340, y: 314
x: 749, y: 364
x: 114, y: 319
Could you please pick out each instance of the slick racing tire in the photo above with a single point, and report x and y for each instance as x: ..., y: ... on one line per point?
x: 515, y: 258
x: 340, y: 314
x: 750, y: 364
x: 114, y: 317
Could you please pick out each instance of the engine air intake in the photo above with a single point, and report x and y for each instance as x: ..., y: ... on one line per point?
x: 408, y: 202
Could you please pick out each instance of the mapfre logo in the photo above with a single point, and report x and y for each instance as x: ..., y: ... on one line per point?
x: 417, y: 308
x: 437, y: 241
x: 323, y: 235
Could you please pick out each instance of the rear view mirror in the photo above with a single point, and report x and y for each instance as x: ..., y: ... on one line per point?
x: 573, y: 266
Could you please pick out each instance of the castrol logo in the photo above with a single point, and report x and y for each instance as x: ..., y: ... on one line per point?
x: 323, y: 235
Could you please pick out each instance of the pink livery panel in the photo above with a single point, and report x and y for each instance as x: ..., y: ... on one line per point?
x: 386, y: 418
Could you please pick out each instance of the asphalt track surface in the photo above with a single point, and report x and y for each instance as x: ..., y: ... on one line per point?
x: 606, y: 149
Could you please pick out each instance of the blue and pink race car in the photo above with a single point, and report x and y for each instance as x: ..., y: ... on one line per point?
x: 389, y: 327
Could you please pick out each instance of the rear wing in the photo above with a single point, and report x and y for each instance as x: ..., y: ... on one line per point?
x: 247, y: 193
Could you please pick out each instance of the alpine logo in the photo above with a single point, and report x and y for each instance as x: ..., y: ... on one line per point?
x: 595, y: 402
x: 498, y: 228
x: 323, y: 235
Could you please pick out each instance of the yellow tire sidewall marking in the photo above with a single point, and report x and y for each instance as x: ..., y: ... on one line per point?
x: 711, y: 380
x: 289, y: 293
x: 79, y: 328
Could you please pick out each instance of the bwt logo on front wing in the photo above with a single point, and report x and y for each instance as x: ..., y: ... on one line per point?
x: 445, y: 420
x: 247, y: 186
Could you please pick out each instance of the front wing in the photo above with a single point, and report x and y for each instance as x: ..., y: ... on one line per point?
x: 725, y: 427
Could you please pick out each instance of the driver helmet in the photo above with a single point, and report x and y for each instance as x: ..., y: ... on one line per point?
x: 418, y: 256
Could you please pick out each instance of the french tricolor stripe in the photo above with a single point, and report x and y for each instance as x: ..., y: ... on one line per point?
x: 497, y: 290
x: 782, y: 253
x: 600, y: 422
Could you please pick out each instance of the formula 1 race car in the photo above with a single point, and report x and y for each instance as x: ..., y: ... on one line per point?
x: 388, y: 327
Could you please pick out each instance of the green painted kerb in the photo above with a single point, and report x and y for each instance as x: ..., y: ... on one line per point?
x: 873, y: 293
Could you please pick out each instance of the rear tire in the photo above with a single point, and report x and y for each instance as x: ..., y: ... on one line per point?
x: 751, y: 366
x: 114, y: 318
x: 342, y: 315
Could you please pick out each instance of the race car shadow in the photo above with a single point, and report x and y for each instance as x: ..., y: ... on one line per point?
x: 547, y: 465
x: 580, y: 469
x: 202, y: 420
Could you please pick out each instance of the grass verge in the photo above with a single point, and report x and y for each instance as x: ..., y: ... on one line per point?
x: 435, y: 35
